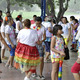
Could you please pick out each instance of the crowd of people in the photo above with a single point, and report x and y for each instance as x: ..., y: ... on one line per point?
x: 29, y: 40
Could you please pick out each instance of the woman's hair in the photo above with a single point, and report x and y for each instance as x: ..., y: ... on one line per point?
x: 38, y: 19
x: 76, y: 20
x: 65, y: 19
x: 27, y: 23
x: 56, y: 28
x: 72, y: 17
x: 18, y: 17
x: 9, y: 19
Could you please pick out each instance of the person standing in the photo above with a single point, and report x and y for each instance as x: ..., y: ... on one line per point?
x: 26, y: 54
x: 41, y: 37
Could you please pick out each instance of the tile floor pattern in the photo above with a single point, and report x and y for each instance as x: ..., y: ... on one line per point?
x: 17, y: 75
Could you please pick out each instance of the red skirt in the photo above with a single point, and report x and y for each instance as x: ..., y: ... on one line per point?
x: 26, y: 55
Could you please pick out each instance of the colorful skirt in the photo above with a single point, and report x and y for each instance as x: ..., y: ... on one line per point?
x: 26, y: 57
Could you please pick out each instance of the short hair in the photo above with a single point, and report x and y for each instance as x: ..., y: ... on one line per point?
x: 54, y: 21
x: 0, y: 11
x: 38, y: 19
x: 72, y: 17
x: 56, y: 28
x: 7, y: 12
x: 34, y: 16
x: 27, y: 23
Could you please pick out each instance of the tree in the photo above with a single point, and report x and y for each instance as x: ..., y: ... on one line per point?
x: 52, y: 5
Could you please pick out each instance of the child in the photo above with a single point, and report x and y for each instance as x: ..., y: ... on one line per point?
x: 57, y: 50
x: 76, y: 67
x: 41, y: 36
x: 10, y: 40
x: 26, y: 54
x: 74, y: 29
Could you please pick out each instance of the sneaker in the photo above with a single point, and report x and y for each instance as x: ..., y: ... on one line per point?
x: 34, y: 75
x: 6, y: 65
x: 40, y: 77
x: 10, y: 67
x: 26, y: 78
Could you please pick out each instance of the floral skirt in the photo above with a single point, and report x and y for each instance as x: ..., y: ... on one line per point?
x: 26, y: 57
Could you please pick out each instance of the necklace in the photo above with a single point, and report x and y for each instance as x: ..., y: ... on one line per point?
x: 37, y: 28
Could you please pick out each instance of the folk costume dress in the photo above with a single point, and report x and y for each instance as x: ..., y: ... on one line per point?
x: 26, y: 53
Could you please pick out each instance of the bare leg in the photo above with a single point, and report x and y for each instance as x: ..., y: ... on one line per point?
x: 29, y: 73
x: 47, y: 55
x: 11, y: 60
x: 2, y: 53
x: 41, y: 65
x: 76, y: 76
x: 54, y: 73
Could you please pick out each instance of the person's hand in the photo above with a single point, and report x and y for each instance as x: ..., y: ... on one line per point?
x: 78, y: 60
x: 9, y: 49
x: 71, y: 24
x: 68, y: 40
x: 39, y: 42
x: 12, y: 46
x: 62, y: 53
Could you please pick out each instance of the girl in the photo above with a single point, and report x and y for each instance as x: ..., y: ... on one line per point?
x: 74, y: 30
x: 57, y: 50
x: 66, y: 30
x: 76, y: 67
x: 10, y: 40
x: 19, y: 25
x: 26, y: 54
x: 48, y: 28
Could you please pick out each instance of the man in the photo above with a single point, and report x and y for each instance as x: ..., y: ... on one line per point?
x: 41, y: 37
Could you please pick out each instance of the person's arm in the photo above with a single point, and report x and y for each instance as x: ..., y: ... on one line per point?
x: 7, y: 36
x: 53, y: 41
x: 3, y: 41
x: 3, y: 34
x: 18, y: 26
x: 69, y: 34
x: 74, y: 27
x: 49, y: 29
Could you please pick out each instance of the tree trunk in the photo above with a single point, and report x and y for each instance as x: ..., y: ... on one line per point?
x: 8, y: 5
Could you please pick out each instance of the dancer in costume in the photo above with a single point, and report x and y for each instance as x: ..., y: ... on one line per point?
x: 26, y: 54
x: 57, y: 50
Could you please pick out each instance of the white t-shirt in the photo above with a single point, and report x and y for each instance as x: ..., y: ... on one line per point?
x: 47, y: 25
x: 20, y: 24
x: 2, y: 29
x: 10, y: 30
x: 28, y: 37
x: 40, y: 32
x: 65, y: 30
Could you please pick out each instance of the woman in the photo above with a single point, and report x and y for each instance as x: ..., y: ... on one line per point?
x: 19, y: 25
x: 26, y: 53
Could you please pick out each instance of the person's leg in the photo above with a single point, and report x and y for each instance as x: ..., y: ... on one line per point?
x: 11, y: 60
x: 2, y: 53
x: 54, y: 73
x: 32, y: 70
x: 41, y: 65
x: 76, y: 76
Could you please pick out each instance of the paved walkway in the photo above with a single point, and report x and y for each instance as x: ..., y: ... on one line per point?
x: 17, y: 75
